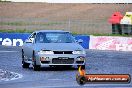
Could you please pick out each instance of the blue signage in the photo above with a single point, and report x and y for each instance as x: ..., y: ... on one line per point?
x: 17, y: 39
x: 85, y: 38
x: 13, y: 39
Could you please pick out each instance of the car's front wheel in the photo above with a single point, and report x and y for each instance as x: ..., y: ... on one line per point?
x: 24, y: 64
x: 35, y: 66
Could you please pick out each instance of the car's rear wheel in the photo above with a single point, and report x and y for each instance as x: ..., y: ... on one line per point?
x: 35, y: 67
x: 24, y: 64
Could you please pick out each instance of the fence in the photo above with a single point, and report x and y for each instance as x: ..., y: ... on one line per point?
x: 76, y: 26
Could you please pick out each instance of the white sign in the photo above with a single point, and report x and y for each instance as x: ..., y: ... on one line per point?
x: 110, y: 43
x: 124, y: 47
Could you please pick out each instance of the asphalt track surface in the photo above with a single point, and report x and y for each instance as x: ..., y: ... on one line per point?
x: 98, y: 62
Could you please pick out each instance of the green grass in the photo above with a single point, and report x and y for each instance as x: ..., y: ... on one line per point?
x: 4, y: 1
x: 30, y: 31
x: 25, y: 23
x: 125, y: 35
x: 13, y: 23
x: 15, y: 31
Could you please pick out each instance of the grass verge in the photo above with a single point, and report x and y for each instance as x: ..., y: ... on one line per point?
x: 15, y: 31
x: 30, y: 31
x: 31, y: 23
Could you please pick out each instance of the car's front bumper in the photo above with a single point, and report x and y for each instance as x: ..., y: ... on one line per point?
x: 49, y: 59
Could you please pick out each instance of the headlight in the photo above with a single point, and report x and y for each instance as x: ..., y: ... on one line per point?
x: 81, y: 58
x: 45, y: 52
x: 78, y: 52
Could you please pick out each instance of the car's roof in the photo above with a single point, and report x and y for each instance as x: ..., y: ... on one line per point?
x: 51, y: 31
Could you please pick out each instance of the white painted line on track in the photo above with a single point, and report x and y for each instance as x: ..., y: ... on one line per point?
x: 8, y: 51
x: 57, y: 86
x: 54, y: 79
x: 74, y: 86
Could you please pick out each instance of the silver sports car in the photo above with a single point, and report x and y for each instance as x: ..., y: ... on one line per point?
x: 52, y: 48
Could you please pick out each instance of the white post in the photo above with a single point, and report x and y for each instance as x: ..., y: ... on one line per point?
x: 69, y: 25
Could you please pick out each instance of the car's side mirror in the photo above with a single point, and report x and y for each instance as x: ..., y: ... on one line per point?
x: 29, y: 41
x: 80, y: 41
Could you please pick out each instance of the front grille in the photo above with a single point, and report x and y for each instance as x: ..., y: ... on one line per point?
x: 62, y: 52
x: 62, y: 61
x: 45, y: 62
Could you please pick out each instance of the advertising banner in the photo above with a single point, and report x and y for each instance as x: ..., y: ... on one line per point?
x: 110, y: 43
x: 13, y: 39
x: 17, y: 39
x: 85, y: 39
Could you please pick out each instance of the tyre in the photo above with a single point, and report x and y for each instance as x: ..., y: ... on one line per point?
x: 35, y: 67
x: 24, y: 64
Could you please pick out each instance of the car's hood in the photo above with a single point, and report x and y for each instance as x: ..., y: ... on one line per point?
x: 58, y: 46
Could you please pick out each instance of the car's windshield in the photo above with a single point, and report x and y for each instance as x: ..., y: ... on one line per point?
x: 54, y: 37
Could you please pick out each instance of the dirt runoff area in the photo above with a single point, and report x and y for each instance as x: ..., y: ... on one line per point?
x: 89, y: 18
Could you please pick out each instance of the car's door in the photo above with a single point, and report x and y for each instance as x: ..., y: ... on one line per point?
x: 29, y: 45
